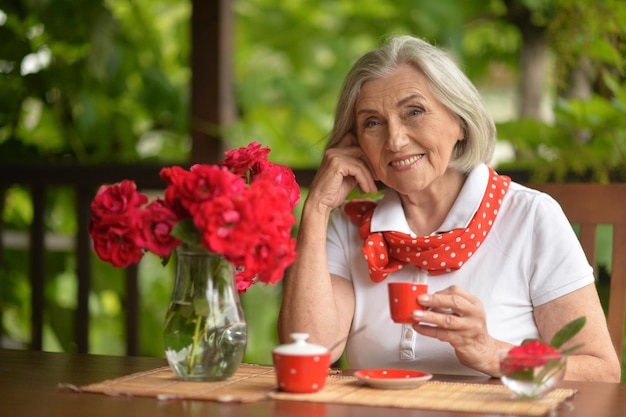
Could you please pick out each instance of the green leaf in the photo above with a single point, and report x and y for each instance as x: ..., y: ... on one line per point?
x: 186, y: 231
x: 201, y: 306
x: 165, y: 260
x: 567, y: 332
x: 573, y: 348
x: 523, y: 375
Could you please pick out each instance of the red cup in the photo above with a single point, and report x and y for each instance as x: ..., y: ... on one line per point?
x: 301, y: 367
x: 403, y: 300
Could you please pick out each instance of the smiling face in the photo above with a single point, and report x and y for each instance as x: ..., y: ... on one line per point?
x: 405, y: 132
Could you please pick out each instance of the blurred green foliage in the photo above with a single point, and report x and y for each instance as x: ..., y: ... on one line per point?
x: 586, y: 140
x: 83, y: 81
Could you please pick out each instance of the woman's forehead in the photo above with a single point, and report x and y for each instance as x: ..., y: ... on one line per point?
x: 396, y: 88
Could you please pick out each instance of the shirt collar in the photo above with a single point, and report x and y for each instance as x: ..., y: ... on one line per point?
x: 389, y: 214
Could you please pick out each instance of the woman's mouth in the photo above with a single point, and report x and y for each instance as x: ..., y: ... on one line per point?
x: 406, y: 162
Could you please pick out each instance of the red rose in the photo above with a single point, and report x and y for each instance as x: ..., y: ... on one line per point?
x: 110, y: 226
x: 207, y: 182
x: 529, y: 355
x: 174, y: 175
x: 154, y: 225
x: 281, y: 176
x: 116, y: 245
x: 270, y: 258
x: 272, y: 248
x: 239, y: 161
x: 219, y: 221
x: 245, y: 280
x: 117, y: 199
x: 175, y: 178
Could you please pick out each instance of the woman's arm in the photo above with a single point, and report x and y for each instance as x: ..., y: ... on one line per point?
x: 315, y: 302
x: 466, y: 331
x: 596, y: 359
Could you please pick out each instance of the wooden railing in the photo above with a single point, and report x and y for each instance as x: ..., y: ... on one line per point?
x: 84, y: 181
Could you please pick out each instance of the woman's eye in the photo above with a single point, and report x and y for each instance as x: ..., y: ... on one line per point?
x: 415, y: 112
x: 370, y: 123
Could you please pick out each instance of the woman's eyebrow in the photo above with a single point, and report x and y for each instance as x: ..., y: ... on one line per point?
x: 398, y: 104
x: 410, y: 98
x: 365, y: 111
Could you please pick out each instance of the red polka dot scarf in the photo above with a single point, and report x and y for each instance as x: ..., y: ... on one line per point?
x: 387, y: 252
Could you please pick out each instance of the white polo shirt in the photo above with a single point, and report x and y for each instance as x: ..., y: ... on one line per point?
x: 530, y: 257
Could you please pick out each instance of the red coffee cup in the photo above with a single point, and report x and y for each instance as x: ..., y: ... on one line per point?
x: 403, y: 300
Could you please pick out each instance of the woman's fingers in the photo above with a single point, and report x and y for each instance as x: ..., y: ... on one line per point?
x: 453, y: 300
x: 351, y: 141
x: 452, y: 315
x: 342, y: 168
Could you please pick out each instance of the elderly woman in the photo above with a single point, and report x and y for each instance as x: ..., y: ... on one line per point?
x: 501, y: 260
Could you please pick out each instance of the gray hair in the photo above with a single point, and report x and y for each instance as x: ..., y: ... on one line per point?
x: 448, y: 83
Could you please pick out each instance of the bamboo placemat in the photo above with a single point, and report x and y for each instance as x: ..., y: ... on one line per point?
x: 254, y: 383
x: 250, y: 383
x: 435, y: 395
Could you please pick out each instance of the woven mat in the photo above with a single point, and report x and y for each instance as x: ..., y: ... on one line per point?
x: 250, y: 383
x: 254, y: 383
x: 434, y: 395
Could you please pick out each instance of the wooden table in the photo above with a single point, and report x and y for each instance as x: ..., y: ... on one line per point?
x: 29, y: 381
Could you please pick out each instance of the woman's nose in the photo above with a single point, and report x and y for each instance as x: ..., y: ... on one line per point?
x: 397, y: 137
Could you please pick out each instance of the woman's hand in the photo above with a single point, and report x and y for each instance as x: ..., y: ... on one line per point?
x: 342, y: 168
x: 455, y: 316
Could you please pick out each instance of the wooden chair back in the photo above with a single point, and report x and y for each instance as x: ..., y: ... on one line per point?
x: 589, y: 205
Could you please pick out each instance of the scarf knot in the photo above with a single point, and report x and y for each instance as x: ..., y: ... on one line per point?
x: 389, y: 251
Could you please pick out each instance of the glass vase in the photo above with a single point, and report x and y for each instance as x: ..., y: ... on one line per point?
x: 205, y: 331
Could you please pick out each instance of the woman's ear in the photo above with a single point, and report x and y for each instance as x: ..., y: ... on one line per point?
x: 349, y: 139
x: 463, y: 128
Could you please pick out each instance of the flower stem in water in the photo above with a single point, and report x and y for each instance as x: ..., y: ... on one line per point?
x: 194, y: 345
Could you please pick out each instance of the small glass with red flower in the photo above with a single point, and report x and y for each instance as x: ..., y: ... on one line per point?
x: 534, y: 368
